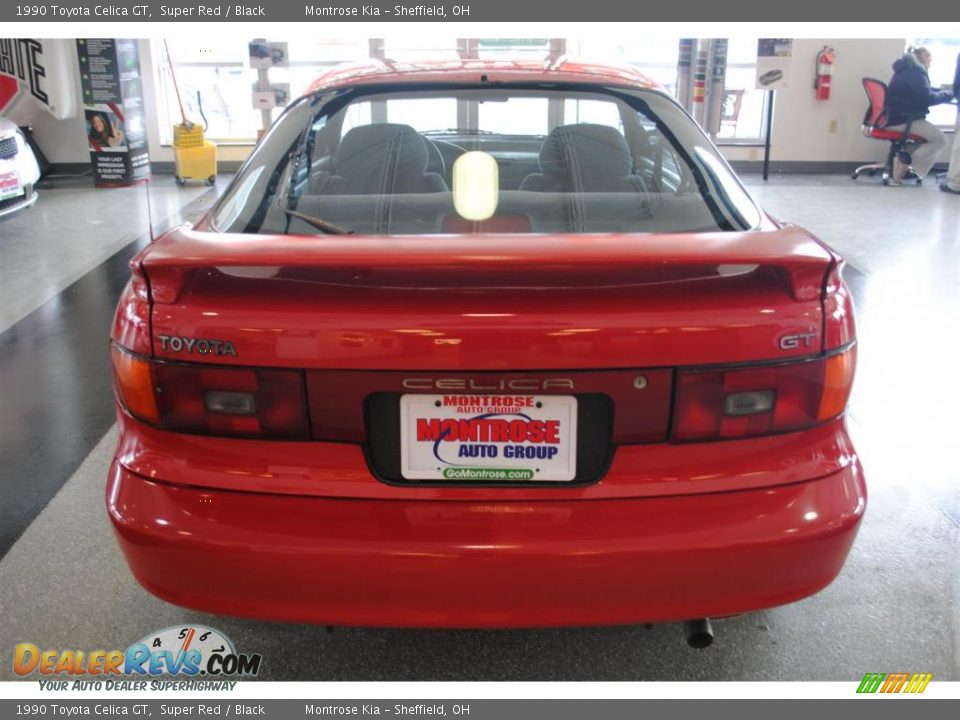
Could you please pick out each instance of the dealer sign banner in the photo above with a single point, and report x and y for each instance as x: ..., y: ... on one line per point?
x: 113, y: 109
x: 36, y: 76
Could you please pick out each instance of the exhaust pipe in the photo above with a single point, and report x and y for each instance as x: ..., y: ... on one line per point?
x: 699, y: 633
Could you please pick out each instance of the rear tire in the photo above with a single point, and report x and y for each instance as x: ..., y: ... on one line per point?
x: 212, y: 180
x: 180, y: 181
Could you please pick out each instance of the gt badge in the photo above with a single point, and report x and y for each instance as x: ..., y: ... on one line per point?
x: 796, y: 340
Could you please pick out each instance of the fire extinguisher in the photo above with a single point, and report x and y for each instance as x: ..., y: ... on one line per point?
x: 825, y: 60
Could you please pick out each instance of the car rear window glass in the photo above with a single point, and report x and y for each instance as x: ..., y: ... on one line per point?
x: 515, y: 159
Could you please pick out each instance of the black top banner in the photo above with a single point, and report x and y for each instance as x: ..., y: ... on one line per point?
x: 325, y: 11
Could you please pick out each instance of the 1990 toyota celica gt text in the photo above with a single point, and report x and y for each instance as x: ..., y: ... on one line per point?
x: 483, y: 344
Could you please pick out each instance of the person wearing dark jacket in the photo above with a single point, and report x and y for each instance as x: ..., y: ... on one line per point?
x: 952, y: 184
x: 909, y: 98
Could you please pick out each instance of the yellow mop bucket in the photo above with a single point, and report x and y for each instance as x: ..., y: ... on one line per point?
x: 195, y: 157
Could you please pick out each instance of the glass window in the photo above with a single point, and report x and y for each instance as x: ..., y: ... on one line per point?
x: 743, y: 111
x: 215, y: 89
x: 657, y: 58
x: 215, y: 77
x: 944, y: 53
x: 592, y: 111
x: 359, y: 113
x: 512, y: 48
x: 423, y: 114
x: 614, y: 161
x: 504, y: 115
x: 406, y: 51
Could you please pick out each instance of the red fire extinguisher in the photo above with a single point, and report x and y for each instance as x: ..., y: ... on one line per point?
x: 825, y: 60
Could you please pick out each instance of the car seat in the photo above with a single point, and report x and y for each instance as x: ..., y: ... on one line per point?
x: 381, y: 159
x: 584, y: 157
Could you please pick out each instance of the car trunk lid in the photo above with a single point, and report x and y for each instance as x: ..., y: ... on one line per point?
x: 486, y: 303
x: 606, y: 319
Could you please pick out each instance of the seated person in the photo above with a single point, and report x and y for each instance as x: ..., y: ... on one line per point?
x: 909, y: 98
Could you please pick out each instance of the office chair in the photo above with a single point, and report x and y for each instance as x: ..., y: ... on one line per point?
x: 873, y: 127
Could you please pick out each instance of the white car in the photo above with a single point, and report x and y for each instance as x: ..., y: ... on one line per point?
x: 19, y: 171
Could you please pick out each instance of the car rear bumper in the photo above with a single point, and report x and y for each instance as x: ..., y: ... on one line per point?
x: 470, y: 563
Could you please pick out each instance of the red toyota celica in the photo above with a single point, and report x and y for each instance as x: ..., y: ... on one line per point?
x: 485, y: 344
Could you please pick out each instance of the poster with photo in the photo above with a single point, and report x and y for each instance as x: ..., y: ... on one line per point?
x: 773, y: 61
x: 105, y: 128
x: 113, y: 110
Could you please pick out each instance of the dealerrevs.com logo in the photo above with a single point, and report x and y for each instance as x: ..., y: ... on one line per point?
x: 187, y: 653
x: 898, y: 682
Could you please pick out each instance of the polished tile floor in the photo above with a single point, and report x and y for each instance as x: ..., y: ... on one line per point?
x: 896, y: 605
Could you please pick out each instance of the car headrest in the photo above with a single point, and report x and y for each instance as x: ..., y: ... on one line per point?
x: 384, y: 142
x: 592, y: 151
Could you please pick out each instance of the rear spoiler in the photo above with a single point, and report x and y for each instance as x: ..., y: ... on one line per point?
x: 527, y: 259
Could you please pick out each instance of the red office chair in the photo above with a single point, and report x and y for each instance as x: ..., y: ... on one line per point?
x: 873, y: 123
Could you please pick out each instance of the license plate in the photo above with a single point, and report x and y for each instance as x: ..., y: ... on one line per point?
x: 488, y: 438
x: 10, y: 185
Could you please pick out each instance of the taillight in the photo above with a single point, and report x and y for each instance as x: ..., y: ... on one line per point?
x: 837, y: 382
x: 763, y: 399
x: 209, y: 400
x: 133, y: 377
x: 839, y: 324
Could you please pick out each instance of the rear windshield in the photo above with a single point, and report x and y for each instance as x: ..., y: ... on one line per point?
x: 501, y: 159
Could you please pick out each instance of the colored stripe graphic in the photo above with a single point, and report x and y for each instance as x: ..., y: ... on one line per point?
x: 871, y: 682
x: 918, y: 683
x: 895, y: 682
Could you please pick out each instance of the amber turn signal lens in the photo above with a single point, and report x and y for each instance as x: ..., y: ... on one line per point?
x: 837, y: 382
x: 134, y: 379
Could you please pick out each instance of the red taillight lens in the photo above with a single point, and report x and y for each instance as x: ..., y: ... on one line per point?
x: 746, y: 401
x: 837, y: 382
x: 208, y: 400
x: 133, y: 379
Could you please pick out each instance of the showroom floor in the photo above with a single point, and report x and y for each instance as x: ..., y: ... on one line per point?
x: 895, y: 607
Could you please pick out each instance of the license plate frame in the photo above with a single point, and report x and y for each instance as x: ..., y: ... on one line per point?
x: 10, y: 185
